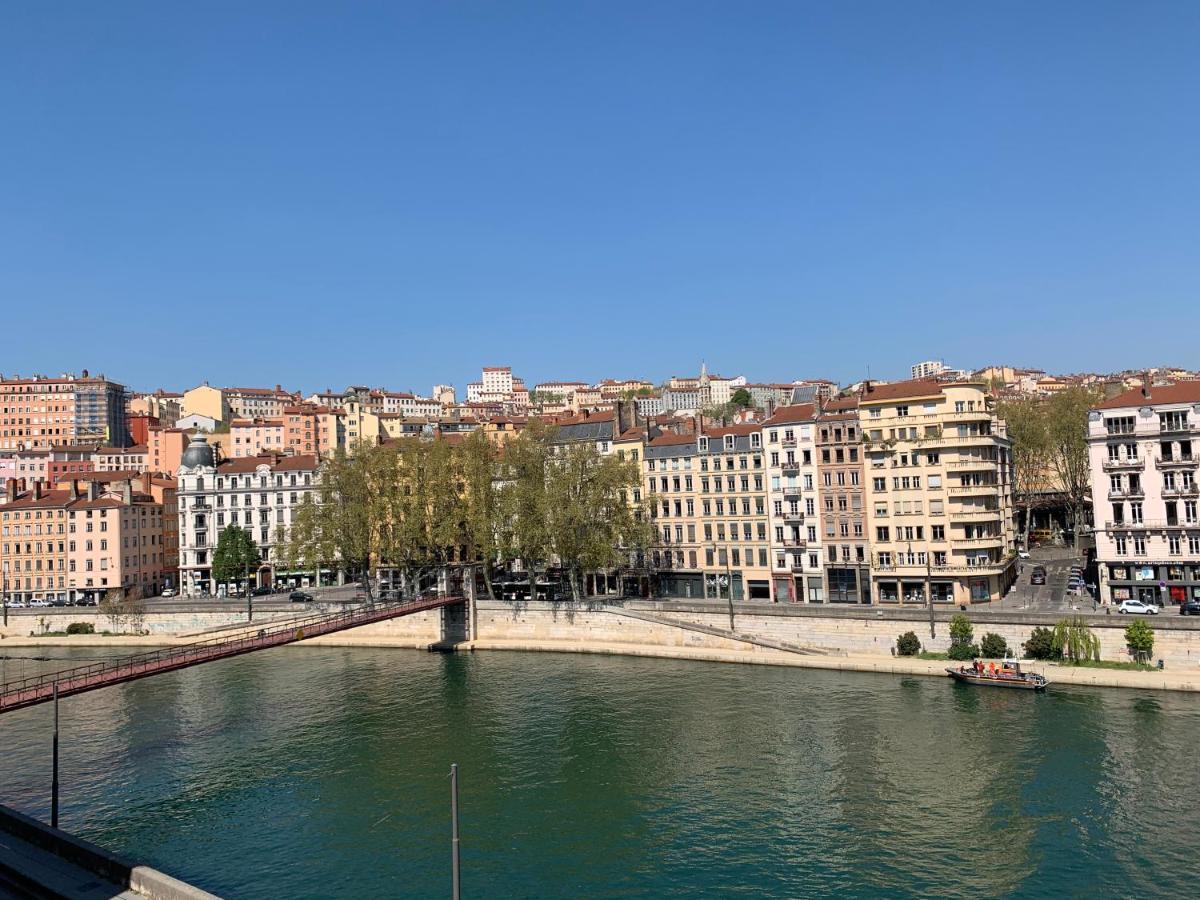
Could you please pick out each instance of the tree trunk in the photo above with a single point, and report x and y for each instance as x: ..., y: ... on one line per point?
x: 487, y: 581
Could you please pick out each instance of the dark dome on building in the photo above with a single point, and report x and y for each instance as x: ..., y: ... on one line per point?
x: 198, y: 453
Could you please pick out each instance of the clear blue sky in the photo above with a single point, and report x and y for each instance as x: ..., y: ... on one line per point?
x: 398, y: 193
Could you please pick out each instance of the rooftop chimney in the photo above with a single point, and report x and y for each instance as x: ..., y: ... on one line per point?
x: 1146, y: 385
x: 37, y: 489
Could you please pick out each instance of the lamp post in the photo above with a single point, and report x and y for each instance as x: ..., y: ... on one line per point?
x: 728, y: 584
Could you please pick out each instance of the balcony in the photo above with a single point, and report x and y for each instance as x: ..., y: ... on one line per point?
x: 1127, y: 494
x: 1176, y: 462
x: 792, y: 466
x: 1147, y: 525
x: 794, y: 543
x: 1181, y: 490
x: 967, y: 415
x: 982, y: 490
x: 990, y: 540
x: 794, y: 517
x: 791, y: 490
x: 1175, y: 428
x: 788, y: 442
x: 1124, y: 464
x: 972, y: 464
x: 975, y: 515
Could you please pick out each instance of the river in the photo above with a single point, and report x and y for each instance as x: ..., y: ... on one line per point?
x: 313, y: 772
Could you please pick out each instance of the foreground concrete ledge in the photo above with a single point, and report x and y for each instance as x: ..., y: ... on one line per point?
x: 56, y: 854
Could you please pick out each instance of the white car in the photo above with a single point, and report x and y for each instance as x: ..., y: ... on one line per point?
x: 167, y: 592
x: 1137, y: 607
x: 39, y: 603
x: 1023, y: 554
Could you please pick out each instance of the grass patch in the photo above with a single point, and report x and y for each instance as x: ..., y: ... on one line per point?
x: 928, y: 655
x: 1109, y: 664
x: 93, y: 634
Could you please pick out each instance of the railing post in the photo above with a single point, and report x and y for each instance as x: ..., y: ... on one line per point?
x: 54, y: 775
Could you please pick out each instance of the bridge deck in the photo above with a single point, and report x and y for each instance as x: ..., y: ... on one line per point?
x: 40, y: 688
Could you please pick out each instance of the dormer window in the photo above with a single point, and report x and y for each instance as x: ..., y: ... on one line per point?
x: 756, y: 439
x: 729, y: 441
x: 703, y: 444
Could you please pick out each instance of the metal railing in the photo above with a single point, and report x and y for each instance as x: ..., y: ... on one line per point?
x: 40, y: 688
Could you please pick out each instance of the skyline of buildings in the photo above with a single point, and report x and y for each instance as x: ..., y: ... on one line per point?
x: 878, y: 492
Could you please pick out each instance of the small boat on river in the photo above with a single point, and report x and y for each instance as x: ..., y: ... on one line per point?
x: 1007, y: 674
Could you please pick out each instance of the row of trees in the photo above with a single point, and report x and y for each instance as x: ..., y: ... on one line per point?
x: 1050, y: 450
x: 419, y: 505
x: 1070, y: 639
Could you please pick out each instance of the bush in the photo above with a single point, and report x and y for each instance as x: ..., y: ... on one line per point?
x: 908, y: 644
x: 1139, y: 637
x: 81, y: 628
x: 993, y: 646
x: 1041, y: 645
x: 962, y: 651
x: 961, y: 632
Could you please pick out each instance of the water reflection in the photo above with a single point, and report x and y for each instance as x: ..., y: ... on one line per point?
x: 322, y: 772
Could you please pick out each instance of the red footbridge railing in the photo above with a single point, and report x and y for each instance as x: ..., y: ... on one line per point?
x: 40, y: 688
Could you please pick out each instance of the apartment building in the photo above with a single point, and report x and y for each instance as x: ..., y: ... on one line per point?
x: 257, y: 403
x: 82, y: 540
x: 939, y: 508
x: 791, y: 465
x: 734, y: 519
x: 671, y: 485
x: 39, y: 412
x: 842, y: 503
x: 121, y: 459
x: 1144, y: 450
x: 258, y: 493
x: 68, y: 460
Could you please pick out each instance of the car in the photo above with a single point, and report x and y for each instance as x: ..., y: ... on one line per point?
x: 262, y: 591
x: 1137, y: 607
x: 300, y: 597
x: 1190, y: 607
x: 167, y: 592
x: 39, y: 602
x: 15, y: 604
x: 1023, y: 554
x: 1038, y: 576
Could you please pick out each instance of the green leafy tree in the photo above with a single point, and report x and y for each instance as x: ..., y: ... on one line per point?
x: 993, y: 646
x: 1139, y: 637
x: 236, y: 555
x: 523, y: 508
x: 961, y: 634
x: 1041, y: 645
x: 1067, y: 415
x: 1075, y: 640
x: 592, y: 523
x: 742, y: 399
x: 908, y: 644
x: 1026, y: 420
x: 480, y: 472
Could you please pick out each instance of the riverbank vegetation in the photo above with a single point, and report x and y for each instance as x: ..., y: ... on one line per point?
x: 416, y: 506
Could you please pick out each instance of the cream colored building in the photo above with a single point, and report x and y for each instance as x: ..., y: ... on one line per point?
x: 938, y: 493
x: 205, y: 400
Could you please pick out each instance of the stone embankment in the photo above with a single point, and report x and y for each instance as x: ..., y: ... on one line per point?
x: 858, y: 639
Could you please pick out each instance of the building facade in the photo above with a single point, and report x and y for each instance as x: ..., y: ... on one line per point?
x: 259, y: 494
x: 842, y: 502
x: 791, y: 457
x: 38, y: 412
x: 939, y: 508
x: 1144, y: 451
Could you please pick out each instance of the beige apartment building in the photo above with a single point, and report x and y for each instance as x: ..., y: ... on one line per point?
x: 939, y: 498
x: 842, y: 506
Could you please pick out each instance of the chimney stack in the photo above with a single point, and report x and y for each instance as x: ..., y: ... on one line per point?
x: 37, y: 489
x: 1146, y: 385
x: 93, y: 490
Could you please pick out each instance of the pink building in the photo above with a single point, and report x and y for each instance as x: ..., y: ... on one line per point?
x: 1144, y: 448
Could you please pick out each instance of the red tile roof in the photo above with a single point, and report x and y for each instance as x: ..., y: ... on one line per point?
x: 788, y: 415
x: 902, y: 390
x: 1179, y: 392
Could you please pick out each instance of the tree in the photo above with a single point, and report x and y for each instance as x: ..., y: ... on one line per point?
x: 480, y: 470
x: 1066, y: 429
x: 522, y: 511
x: 1139, y: 637
x: 993, y: 646
x: 235, y: 556
x: 592, y: 524
x: 1075, y: 640
x: 961, y: 633
x: 1026, y: 422
x: 741, y: 399
x: 1041, y: 645
x: 908, y: 644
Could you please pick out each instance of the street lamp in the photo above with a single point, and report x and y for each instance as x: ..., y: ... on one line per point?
x: 728, y: 584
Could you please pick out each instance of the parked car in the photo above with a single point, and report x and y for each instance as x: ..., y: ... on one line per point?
x: 39, y: 603
x: 1190, y: 607
x: 300, y: 597
x: 1137, y: 607
x: 1023, y: 554
x: 262, y: 591
x: 167, y: 592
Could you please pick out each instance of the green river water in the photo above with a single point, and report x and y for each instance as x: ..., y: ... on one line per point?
x: 315, y: 772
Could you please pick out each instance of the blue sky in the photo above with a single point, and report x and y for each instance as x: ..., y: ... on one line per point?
x: 398, y: 193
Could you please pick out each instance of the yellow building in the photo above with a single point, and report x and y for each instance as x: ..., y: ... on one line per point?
x: 939, y: 493
x: 205, y: 400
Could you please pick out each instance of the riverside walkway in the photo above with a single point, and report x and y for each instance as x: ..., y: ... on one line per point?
x: 65, y: 683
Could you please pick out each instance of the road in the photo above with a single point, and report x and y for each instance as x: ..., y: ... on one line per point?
x: 1051, y: 596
